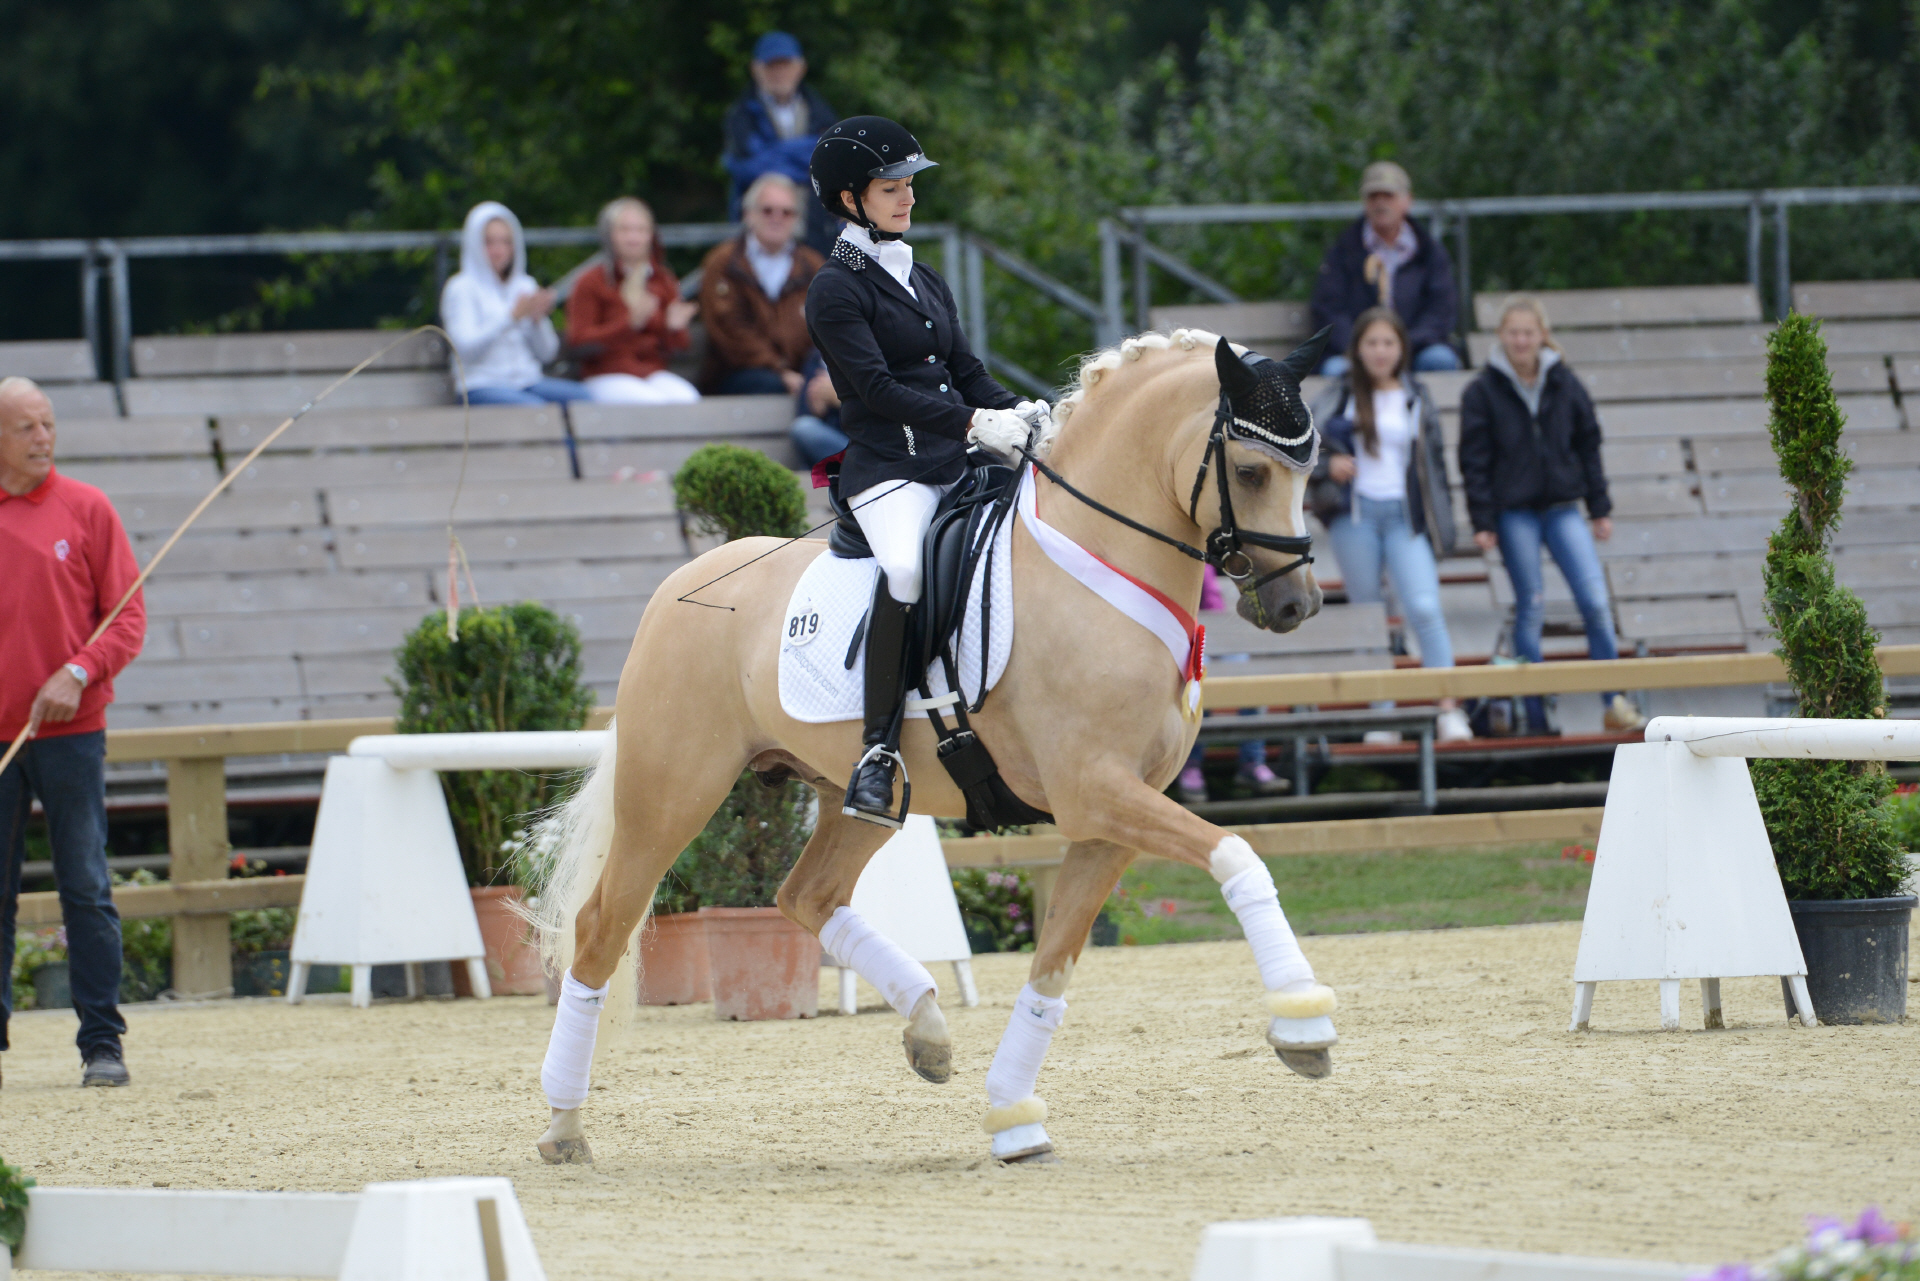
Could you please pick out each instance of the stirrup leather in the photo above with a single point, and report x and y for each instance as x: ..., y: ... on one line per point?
x: 894, y: 820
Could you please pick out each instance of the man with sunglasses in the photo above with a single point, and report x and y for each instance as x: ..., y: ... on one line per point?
x: 753, y: 295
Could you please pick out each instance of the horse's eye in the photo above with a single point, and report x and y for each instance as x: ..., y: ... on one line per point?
x: 1252, y: 477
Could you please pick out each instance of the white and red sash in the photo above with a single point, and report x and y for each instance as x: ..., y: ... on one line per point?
x: 1145, y: 604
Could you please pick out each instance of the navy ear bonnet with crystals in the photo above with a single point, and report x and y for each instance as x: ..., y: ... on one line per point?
x: 1261, y: 403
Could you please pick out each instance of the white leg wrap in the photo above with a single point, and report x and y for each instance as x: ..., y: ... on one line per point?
x: 569, y: 1062
x: 1016, y: 1064
x: 877, y: 959
x: 1251, y: 895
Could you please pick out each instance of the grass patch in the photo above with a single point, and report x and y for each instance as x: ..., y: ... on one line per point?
x: 1355, y: 893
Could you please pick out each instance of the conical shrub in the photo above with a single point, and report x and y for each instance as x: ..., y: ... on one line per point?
x: 1827, y: 820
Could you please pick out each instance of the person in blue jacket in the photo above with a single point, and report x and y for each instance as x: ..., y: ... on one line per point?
x: 1387, y: 259
x: 773, y: 128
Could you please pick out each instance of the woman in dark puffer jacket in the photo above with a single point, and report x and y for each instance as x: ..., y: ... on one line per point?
x: 1529, y: 456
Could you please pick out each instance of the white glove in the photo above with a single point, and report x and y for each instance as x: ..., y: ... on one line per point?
x: 999, y: 431
x: 1040, y: 414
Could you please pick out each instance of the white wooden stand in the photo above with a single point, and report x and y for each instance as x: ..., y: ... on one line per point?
x: 384, y: 883
x: 1684, y: 884
x: 1346, y: 1250
x: 906, y: 893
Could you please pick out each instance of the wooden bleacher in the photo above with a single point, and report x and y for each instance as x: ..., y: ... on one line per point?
x: 265, y: 373
x: 65, y: 371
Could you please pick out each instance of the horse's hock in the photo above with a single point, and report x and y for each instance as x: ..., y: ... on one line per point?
x: 1462, y: 1114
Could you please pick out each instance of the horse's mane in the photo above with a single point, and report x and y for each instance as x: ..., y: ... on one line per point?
x: 1097, y: 365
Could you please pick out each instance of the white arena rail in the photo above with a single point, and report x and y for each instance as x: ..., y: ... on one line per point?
x: 422, y: 1230
x: 1325, y: 1249
x: 1754, y: 737
x: 533, y: 749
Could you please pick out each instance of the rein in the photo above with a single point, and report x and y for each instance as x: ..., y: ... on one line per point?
x: 1224, y: 550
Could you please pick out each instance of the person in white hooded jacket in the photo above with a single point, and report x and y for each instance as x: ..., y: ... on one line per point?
x: 497, y: 316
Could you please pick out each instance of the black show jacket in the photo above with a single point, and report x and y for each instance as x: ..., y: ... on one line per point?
x: 907, y: 380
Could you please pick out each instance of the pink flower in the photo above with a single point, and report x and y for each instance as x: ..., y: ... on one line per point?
x: 1013, y: 911
x: 1167, y: 907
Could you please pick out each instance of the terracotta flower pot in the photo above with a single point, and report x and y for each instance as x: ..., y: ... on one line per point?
x: 513, y: 958
x: 673, y: 960
x: 763, y: 965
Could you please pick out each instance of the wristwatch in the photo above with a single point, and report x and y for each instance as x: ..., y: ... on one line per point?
x: 79, y: 673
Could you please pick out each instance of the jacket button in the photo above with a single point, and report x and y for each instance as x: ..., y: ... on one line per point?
x: 929, y: 360
x: 943, y: 386
x: 929, y: 324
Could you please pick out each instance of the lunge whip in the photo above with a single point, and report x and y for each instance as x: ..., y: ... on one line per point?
x: 233, y: 474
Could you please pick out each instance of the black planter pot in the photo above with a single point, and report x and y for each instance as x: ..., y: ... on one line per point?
x: 1856, y: 953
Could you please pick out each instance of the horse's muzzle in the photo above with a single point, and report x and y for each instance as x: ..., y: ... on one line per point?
x: 1284, y: 603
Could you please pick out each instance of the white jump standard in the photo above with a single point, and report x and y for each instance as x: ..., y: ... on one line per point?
x: 1684, y: 882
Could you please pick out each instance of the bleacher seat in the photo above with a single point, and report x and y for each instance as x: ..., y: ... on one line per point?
x: 1271, y: 327
x: 616, y: 440
x: 1340, y: 638
x: 278, y: 373
x: 65, y: 370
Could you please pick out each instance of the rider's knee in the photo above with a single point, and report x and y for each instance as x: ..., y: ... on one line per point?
x: 903, y: 578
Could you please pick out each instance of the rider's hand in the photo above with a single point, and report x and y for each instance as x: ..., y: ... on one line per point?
x: 1039, y: 414
x: 999, y: 431
x: 1341, y: 467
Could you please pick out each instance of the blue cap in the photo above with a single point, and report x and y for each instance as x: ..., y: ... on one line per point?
x: 776, y: 45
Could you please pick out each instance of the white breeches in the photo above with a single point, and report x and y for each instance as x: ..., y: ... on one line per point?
x: 894, y: 516
x: 661, y: 388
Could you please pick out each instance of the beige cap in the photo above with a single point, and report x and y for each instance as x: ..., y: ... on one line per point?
x: 1384, y: 175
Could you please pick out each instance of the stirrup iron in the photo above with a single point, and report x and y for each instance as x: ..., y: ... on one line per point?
x: 882, y: 817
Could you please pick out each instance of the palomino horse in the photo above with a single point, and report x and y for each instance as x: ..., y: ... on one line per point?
x: 1086, y: 724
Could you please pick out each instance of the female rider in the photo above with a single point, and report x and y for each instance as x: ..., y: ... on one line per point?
x: 913, y: 397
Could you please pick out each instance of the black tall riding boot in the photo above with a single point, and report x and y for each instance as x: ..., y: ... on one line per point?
x: 870, y: 794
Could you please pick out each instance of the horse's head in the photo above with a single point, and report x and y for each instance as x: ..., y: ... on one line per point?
x: 1262, y: 450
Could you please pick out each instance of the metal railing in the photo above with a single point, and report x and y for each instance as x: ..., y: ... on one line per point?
x: 1128, y: 230
x: 964, y: 256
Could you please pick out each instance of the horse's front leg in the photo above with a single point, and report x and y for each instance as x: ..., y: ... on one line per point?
x: 818, y: 896
x: 1121, y: 808
x: 1016, y: 1116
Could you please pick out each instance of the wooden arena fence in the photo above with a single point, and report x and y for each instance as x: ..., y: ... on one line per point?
x: 199, y: 895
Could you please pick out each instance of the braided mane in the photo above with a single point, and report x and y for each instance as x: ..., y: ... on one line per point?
x: 1100, y: 363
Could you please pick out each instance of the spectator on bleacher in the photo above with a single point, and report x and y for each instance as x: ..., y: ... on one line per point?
x: 64, y: 563
x: 1381, y: 490
x: 626, y: 315
x: 772, y: 129
x: 497, y: 316
x: 1254, y: 772
x: 1385, y: 258
x: 1529, y: 456
x: 753, y: 297
x: 816, y: 430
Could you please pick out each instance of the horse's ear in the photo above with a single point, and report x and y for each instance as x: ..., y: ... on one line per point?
x: 1235, y: 377
x: 1305, y: 358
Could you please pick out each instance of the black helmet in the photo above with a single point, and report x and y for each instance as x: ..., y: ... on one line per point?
x: 858, y: 150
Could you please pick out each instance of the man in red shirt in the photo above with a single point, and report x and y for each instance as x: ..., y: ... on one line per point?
x: 64, y: 564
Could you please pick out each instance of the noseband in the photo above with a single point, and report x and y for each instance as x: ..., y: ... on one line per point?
x: 1225, y: 546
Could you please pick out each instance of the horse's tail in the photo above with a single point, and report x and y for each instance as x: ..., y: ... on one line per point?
x: 576, y: 840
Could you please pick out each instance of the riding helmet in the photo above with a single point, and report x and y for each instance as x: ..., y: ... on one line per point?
x: 859, y: 150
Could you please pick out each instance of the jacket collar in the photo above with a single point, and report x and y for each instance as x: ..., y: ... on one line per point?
x: 38, y: 494
x: 881, y: 277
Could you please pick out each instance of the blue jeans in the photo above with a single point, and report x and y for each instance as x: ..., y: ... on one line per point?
x: 1374, y: 532
x: 545, y: 392
x: 68, y: 774
x: 752, y: 382
x: 1436, y: 359
x: 815, y: 438
x: 1564, y: 531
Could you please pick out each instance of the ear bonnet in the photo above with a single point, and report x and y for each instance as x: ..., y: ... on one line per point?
x: 1260, y: 402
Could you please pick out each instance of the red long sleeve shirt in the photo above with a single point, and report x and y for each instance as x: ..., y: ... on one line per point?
x: 64, y: 562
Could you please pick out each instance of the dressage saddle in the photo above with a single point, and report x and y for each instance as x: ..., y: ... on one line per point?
x: 959, y: 544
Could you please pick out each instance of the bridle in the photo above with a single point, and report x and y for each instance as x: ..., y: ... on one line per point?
x: 1225, y: 546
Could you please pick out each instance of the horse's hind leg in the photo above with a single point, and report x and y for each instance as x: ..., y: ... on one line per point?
x: 818, y: 896
x: 1016, y: 1116
x: 664, y: 791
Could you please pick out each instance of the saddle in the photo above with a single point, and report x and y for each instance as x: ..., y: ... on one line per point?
x: 959, y: 540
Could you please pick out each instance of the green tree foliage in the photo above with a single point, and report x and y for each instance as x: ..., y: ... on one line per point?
x: 739, y: 492
x: 515, y: 667
x: 1832, y: 833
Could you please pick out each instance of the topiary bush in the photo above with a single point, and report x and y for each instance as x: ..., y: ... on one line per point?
x: 754, y: 839
x: 741, y: 493
x: 515, y: 667
x: 1831, y: 831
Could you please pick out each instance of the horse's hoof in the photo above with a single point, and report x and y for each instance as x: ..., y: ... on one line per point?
x: 1315, y: 1065
x: 931, y: 1061
x: 1042, y: 1155
x: 565, y: 1152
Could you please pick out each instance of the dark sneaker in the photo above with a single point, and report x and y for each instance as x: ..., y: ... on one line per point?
x: 104, y: 1067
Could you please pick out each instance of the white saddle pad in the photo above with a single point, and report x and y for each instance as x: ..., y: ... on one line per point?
x: 816, y: 681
